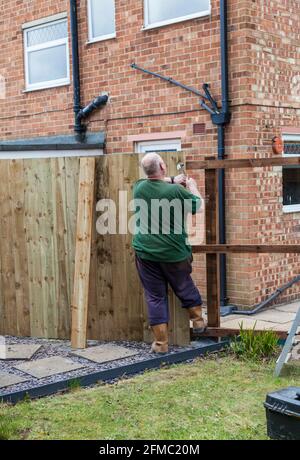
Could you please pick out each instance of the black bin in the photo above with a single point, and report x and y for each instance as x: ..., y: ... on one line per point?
x: 283, y: 414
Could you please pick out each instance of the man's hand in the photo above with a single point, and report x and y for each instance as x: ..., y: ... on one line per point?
x: 180, y: 180
x: 191, y: 184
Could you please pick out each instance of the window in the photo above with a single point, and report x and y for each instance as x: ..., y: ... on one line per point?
x: 291, y: 175
x: 47, y: 55
x: 158, y: 12
x: 102, y: 23
x: 173, y: 145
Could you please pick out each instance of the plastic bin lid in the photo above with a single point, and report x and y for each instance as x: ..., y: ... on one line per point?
x: 286, y: 401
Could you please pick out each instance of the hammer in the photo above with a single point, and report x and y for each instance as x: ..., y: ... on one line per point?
x: 181, y: 168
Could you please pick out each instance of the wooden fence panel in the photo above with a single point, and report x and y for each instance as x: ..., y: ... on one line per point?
x: 38, y: 209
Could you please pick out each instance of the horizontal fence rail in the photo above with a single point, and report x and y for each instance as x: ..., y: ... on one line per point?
x: 242, y: 163
x: 249, y: 248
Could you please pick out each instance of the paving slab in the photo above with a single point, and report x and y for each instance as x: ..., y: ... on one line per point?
x: 279, y: 317
x: 226, y: 319
x: 290, y: 308
x: 286, y: 327
x: 105, y: 353
x: 18, y: 351
x: 248, y: 323
x: 7, y: 380
x: 46, y: 367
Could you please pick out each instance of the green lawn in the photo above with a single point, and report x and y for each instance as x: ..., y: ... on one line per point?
x: 215, y: 398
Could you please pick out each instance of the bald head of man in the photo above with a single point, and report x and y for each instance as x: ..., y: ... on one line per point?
x: 153, y: 166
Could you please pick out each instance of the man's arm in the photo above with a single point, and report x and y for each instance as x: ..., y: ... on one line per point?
x: 178, y: 180
x: 192, y: 187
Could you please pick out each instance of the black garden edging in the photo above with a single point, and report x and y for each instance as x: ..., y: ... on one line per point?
x: 112, y: 374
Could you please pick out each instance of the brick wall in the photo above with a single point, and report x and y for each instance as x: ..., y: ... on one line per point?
x: 264, y: 73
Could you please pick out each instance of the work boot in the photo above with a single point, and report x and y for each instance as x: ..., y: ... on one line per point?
x: 199, y: 325
x: 160, y: 344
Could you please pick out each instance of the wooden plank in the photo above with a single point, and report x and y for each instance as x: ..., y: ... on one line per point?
x: 60, y: 313
x: 250, y: 248
x: 16, y: 185
x: 212, y: 260
x: 72, y: 166
x: 8, y: 309
x: 225, y: 332
x: 243, y: 163
x: 100, y: 314
x: 83, y: 252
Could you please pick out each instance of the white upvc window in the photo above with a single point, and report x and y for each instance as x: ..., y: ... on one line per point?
x: 291, y: 175
x: 46, y: 55
x: 173, y: 145
x: 102, y: 20
x: 163, y: 12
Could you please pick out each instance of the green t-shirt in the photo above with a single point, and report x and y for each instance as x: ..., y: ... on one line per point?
x: 161, y: 211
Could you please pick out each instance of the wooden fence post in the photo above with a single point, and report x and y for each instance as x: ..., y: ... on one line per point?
x: 79, y: 308
x: 212, y: 260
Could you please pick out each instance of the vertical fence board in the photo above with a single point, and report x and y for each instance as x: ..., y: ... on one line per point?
x: 6, y: 254
x: 83, y: 252
x: 17, y: 194
x: 212, y: 260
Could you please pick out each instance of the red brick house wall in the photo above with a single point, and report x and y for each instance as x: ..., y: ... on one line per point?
x: 264, y: 50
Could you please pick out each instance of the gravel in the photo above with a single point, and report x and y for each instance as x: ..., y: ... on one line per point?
x: 63, y: 348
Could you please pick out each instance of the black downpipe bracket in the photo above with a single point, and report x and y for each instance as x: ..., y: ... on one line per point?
x: 79, y: 128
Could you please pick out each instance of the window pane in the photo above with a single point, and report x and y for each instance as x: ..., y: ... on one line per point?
x: 48, y: 33
x: 47, y: 64
x: 162, y: 10
x: 291, y: 186
x: 102, y: 17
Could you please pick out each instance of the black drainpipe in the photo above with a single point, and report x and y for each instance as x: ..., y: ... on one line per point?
x: 79, y: 128
x: 221, y: 120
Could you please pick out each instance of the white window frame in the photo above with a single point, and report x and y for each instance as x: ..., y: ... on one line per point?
x: 148, y: 25
x: 290, y: 137
x: 27, y: 49
x: 173, y: 145
x: 91, y: 38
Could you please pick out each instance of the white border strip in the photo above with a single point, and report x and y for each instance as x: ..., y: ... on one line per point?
x: 31, y: 154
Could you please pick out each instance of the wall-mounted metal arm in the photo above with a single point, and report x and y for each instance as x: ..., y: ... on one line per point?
x: 208, y: 109
x: 170, y: 80
x: 206, y: 87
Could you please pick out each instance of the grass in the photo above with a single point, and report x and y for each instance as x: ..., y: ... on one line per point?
x: 213, y: 398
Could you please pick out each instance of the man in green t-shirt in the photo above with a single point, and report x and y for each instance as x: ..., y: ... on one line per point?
x: 163, y: 255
